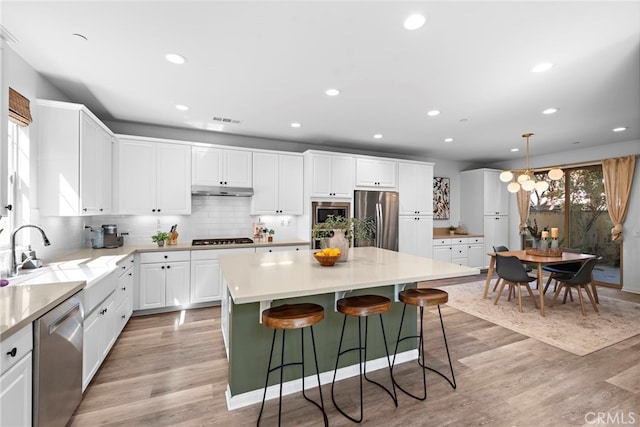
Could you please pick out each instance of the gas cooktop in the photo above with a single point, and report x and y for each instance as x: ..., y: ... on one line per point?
x: 224, y: 241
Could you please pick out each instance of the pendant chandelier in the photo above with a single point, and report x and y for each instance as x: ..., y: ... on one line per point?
x: 525, y: 179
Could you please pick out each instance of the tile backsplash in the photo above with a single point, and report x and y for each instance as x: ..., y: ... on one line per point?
x: 211, y: 217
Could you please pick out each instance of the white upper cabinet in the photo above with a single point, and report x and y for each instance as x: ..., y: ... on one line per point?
x: 153, y: 177
x: 75, y: 160
x: 278, y: 184
x: 496, y: 195
x: 415, y: 185
x: 331, y: 175
x: 221, y: 167
x: 379, y: 173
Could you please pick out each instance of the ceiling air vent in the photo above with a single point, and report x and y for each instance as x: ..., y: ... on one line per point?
x: 226, y: 120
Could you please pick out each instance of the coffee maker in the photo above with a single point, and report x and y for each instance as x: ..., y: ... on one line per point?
x: 111, y: 238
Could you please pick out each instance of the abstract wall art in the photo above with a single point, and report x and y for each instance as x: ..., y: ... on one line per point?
x: 441, y: 198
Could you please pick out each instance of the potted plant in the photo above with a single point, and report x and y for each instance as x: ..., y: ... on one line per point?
x: 270, y: 232
x: 342, y: 233
x: 160, y: 237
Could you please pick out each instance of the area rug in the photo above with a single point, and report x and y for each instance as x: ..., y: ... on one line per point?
x: 563, y: 325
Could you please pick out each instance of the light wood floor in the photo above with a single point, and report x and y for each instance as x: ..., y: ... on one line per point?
x: 164, y: 371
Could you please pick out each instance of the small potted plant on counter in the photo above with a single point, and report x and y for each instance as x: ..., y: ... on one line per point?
x: 160, y: 238
x: 270, y: 232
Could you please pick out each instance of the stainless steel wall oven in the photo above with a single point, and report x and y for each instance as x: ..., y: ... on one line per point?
x: 321, y: 210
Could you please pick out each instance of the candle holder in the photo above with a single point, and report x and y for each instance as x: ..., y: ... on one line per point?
x: 554, y: 243
x: 543, y: 244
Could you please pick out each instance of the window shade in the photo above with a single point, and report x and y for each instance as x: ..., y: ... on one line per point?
x: 19, y: 111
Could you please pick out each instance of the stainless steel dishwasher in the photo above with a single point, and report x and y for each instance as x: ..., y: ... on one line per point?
x: 57, y: 363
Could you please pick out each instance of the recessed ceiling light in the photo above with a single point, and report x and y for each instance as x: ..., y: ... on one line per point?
x: 414, y: 21
x: 295, y: 125
x: 542, y: 67
x: 332, y: 92
x: 515, y: 149
x: 174, y: 58
x: 550, y: 111
x: 182, y: 107
x: 433, y: 113
x: 377, y: 136
x: 620, y: 129
x: 448, y: 140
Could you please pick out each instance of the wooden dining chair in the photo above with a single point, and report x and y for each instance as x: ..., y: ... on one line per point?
x: 513, y: 273
x: 579, y: 281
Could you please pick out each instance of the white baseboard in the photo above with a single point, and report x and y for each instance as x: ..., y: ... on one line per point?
x: 255, y: 396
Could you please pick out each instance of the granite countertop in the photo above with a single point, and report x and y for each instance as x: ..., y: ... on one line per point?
x: 278, y: 275
x: 34, y: 293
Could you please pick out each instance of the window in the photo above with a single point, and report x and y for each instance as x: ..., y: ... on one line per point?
x: 7, y: 222
x: 577, y: 206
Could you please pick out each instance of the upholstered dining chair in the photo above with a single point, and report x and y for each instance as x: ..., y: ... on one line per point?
x: 579, y: 281
x: 504, y: 249
x: 563, y: 272
x: 513, y: 273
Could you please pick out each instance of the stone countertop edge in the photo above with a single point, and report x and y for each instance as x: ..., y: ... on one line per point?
x: 453, y: 236
x: 124, y: 251
x: 42, y: 299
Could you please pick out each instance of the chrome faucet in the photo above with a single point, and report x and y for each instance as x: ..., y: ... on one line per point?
x: 15, y: 265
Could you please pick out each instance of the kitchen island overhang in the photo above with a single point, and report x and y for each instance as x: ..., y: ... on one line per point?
x: 253, y: 282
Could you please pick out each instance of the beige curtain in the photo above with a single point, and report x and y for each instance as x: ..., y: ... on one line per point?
x: 523, y: 209
x: 618, y: 177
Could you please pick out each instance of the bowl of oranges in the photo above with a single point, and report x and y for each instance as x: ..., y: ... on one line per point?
x: 328, y: 256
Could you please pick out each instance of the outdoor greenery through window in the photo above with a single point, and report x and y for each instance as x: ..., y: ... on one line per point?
x: 577, y: 206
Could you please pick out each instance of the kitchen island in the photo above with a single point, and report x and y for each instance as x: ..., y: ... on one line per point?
x: 254, y: 282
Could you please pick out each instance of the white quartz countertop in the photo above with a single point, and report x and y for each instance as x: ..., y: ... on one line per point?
x: 35, y: 292
x: 278, y: 275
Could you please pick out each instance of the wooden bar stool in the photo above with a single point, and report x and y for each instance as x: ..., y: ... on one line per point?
x: 362, y: 306
x: 292, y: 316
x: 423, y: 298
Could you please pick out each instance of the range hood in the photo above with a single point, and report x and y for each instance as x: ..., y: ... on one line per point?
x: 206, y: 190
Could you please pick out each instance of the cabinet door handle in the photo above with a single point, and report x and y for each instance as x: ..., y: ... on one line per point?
x: 153, y: 210
x: 13, y: 352
x: 162, y: 268
x: 8, y: 207
x: 158, y: 210
x: 166, y: 256
x: 124, y: 316
x: 130, y: 274
x: 124, y: 289
x: 124, y: 268
x: 168, y: 266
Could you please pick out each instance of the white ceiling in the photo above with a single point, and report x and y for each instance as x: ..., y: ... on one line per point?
x: 268, y: 63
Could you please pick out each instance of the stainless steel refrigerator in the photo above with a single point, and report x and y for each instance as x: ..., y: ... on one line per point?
x: 382, y: 207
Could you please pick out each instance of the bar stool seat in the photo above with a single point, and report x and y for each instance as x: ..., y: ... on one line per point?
x: 289, y: 317
x: 422, y: 298
x: 362, y: 306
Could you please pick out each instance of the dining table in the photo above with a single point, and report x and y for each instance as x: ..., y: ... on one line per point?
x: 537, y: 260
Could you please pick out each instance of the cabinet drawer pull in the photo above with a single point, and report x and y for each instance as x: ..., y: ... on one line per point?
x: 124, y: 288
x: 124, y: 316
x: 13, y: 352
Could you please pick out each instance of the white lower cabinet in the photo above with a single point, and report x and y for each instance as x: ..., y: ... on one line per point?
x: 124, y: 294
x: 16, y: 383
x: 205, y: 273
x: 459, y: 250
x: 164, y: 279
x: 15, y: 394
x: 99, y: 335
x: 415, y: 234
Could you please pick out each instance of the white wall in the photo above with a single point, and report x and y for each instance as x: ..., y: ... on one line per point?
x: 631, y: 230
